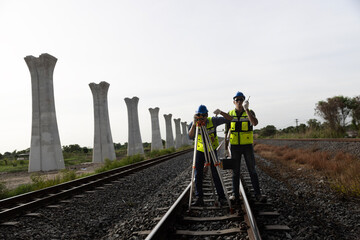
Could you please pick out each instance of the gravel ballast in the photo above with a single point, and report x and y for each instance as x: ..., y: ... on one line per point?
x: 306, y: 204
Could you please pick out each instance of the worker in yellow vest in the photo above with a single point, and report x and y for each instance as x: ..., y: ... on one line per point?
x: 211, y: 123
x: 241, y: 143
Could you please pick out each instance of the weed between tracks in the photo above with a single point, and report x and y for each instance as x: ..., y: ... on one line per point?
x: 341, y: 169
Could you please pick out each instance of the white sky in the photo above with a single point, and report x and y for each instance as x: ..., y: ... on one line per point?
x: 176, y: 55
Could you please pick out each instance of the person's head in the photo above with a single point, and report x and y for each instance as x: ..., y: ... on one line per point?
x: 239, y: 98
x: 202, y: 112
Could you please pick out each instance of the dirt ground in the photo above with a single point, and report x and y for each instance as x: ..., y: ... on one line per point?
x: 12, y: 180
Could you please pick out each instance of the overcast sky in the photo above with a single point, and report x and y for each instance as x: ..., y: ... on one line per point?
x: 176, y: 55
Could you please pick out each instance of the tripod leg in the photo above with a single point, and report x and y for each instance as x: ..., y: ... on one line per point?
x: 193, y: 167
x: 208, y: 163
x: 217, y: 165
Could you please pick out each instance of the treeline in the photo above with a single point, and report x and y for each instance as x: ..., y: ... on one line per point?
x: 73, y: 149
x: 341, y: 117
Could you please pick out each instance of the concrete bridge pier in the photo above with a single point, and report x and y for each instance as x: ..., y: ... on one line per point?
x: 103, y: 142
x: 169, y: 133
x: 178, y: 139
x: 45, y: 150
x: 185, y: 138
x: 135, y: 145
x: 190, y: 142
x: 156, y: 142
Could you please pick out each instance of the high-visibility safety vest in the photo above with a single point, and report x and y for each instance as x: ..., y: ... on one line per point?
x: 241, y: 129
x: 212, y: 135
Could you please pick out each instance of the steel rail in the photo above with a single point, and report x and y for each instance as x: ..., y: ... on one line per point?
x: 253, y: 232
x: 13, y: 206
x: 159, y: 231
x: 162, y: 228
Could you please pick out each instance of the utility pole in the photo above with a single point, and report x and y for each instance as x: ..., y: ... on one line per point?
x: 296, y: 120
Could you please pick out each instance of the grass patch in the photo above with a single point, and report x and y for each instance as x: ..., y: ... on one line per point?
x: 13, y: 165
x: 38, y: 182
x: 342, y: 169
x: 76, y: 158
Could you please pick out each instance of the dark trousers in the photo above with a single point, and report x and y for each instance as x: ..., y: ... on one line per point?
x: 248, y: 151
x: 199, y: 174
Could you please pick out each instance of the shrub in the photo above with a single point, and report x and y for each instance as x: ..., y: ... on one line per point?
x: 341, y: 168
x: 68, y: 175
x: 3, y: 190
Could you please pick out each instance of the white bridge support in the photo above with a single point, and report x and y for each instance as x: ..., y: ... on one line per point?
x: 45, y: 150
x: 135, y: 145
x: 169, y: 133
x: 190, y: 142
x: 156, y: 142
x: 178, y: 139
x: 185, y: 138
x: 103, y: 142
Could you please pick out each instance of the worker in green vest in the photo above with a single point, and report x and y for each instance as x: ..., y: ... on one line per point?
x: 241, y: 143
x: 210, y: 123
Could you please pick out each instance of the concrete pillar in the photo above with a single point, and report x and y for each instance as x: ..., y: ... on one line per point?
x: 45, y: 150
x: 156, y: 142
x: 185, y: 138
x: 103, y: 142
x: 135, y: 145
x: 190, y: 142
x: 178, y: 139
x: 169, y: 133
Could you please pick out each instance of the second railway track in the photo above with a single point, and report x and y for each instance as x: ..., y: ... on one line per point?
x: 11, y: 207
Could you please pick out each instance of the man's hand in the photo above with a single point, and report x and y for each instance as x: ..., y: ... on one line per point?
x: 195, y: 119
x: 246, y: 105
x: 217, y: 112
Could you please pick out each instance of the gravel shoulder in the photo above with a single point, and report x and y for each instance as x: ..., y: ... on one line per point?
x: 306, y: 202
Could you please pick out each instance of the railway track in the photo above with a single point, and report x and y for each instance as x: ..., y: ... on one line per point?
x: 24, y: 203
x: 208, y: 221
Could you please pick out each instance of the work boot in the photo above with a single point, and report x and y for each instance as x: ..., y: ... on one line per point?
x: 199, y: 202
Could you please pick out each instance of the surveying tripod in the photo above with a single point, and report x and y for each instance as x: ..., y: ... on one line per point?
x: 210, y: 158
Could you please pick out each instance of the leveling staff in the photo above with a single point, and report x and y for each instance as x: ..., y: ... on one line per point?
x: 211, y: 123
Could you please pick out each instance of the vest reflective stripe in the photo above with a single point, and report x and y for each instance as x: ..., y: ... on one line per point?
x: 212, y: 135
x: 241, y: 129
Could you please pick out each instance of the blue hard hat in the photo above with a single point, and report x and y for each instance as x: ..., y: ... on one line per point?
x: 202, y: 109
x: 239, y: 94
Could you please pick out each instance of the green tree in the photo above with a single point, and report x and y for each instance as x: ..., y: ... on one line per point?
x: 268, y: 131
x: 313, y: 124
x: 335, y: 111
x: 301, y: 128
x: 85, y: 150
x: 290, y: 129
x: 117, y: 146
x: 355, y: 112
x: 72, y: 148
